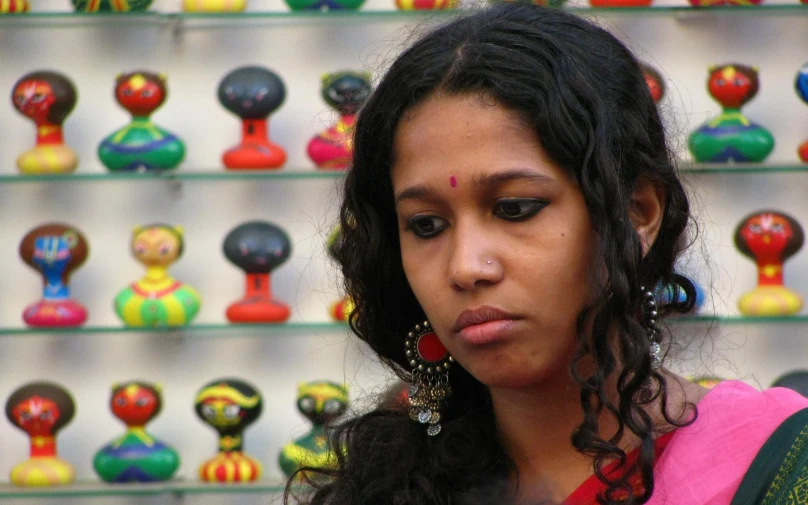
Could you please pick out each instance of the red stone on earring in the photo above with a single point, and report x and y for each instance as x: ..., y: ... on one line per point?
x: 430, y: 348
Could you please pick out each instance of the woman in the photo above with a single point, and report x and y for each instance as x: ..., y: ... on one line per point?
x: 511, y: 201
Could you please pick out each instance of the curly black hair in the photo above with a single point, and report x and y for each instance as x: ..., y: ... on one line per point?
x: 584, y: 93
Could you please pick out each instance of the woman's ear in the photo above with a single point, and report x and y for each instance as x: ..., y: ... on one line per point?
x: 646, y: 211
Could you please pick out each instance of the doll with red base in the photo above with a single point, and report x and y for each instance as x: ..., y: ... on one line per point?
x: 46, y: 98
x: 41, y: 409
x: 620, y: 3
x: 656, y: 84
x: 14, y: 6
x: 332, y: 149
x: 341, y: 309
x: 257, y: 247
x: 55, y: 250
x: 801, y: 86
x: 769, y: 238
x: 253, y: 93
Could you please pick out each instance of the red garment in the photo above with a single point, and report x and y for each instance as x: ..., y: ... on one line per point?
x: 587, y: 493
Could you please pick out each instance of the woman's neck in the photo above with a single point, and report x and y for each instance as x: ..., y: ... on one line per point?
x: 536, y: 424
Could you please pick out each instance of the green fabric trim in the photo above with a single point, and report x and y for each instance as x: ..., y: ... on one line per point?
x: 779, y: 473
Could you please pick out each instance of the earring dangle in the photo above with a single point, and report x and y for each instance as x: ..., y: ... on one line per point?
x: 430, y: 389
x: 650, y: 313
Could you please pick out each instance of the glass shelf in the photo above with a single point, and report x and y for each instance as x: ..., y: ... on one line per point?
x: 202, y: 329
x: 176, y: 487
x: 207, y: 175
x: 736, y: 319
x: 211, y: 20
x: 740, y: 168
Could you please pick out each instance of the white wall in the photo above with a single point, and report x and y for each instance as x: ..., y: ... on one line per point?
x: 195, y: 58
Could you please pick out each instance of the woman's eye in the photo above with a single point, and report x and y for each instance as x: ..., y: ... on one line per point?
x: 426, y: 226
x: 516, y: 209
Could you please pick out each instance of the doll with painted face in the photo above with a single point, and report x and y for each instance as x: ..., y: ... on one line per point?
x: 257, y: 248
x: 111, y: 5
x: 801, y: 86
x: 332, y: 149
x: 214, y: 5
x: 253, y: 93
x: 731, y: 136
x: 55, y: 250
x: 321, y: 402
x: 141, y: 145
x: 769, y: 238
x: 41, y: 409
x: 229, y: 406
x: 46, y: 98
x: 656, y: 84
x: 157, y: 299
x: 136, y: 456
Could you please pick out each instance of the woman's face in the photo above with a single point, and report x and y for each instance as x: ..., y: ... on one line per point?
x: 495, y: 239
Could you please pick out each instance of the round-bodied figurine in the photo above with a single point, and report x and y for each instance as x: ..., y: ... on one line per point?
x: 47, y: 98
x: 426, y: 5
x: 14, y: 6
x: 257, y: 247
x: 214, y: 5
x: 731, y: 136
x: 253, y: 93
x: 796, y: 381
x: 341, y: 309
x: 770, y: 238
x: 724, y: 3
x: 345, y: 92
x: 229, y: 406
x: 801, y: 86
x: 111, y: 5
x: 656, y: 84
x: 321, y: 402
x: 620, y: 3
x: 136, y: 456
x: 324, y: 5
x: 157, y: 299
x: 41, y: 409
x: 141, y: 145
x: 55, y: 250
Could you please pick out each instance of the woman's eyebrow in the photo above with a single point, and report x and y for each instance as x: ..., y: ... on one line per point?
x: 510, y: 175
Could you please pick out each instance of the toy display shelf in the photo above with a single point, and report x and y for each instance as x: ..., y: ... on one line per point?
x: 176, y: 488
x: 198, y: 329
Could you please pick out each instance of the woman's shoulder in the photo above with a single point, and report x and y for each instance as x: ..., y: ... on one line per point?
x: 706, y: 461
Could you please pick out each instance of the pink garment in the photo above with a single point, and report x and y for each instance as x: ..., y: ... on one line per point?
x: 705, y: 462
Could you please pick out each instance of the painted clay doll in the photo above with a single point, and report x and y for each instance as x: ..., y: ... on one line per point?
x: 324, y: 5
x: 731, y: 136
x: 136, y: 456
x: 426, y: 5
x: 157, y: 299
x: 620, y: 3
x: 770, y: 238
x: 253, y: 93
x: 111, y: 5
x: 141, y: 145
x: 345, y: 92
x: 47, y: 98
x: 801, y: 86
x: 41, y: 410
x: 229, y: 406
x: 55, y: 251
x: 214, y: 5
x: 257, y: 247
x: 723, y: 3
x: 14, y: 6
x: 656, y: 84
x: 322, y: 403
x: 341, y: 309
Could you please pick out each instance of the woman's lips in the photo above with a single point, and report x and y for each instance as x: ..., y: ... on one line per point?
x: 487, y: 332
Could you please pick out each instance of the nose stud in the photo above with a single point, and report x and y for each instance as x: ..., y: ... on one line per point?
x: 489, y: 262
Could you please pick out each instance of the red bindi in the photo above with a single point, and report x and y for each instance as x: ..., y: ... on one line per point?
x: 453, y: 181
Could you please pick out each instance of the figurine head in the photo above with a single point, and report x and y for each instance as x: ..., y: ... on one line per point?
x: 157, y: 244
x: 45, y: 97
x: 346, y: 91
x: 656, y: 84
x: 54, y: 248
x: 732, y: 85
x: 801, y: 83
x: 769, y: 236
x: 40, y: 409
x: 321, y: 401
x: 257, y: 247
x: 252, y: 92
x: 334, y: 241
x: 136, y: 403
x: 141, y: 93
x: 229, y: 405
